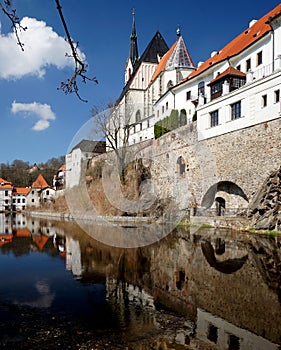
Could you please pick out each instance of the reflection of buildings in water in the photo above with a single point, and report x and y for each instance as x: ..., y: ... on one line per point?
x: 216, y: 331
x: 5, y: 224
x: 131, y: 303
x: 133, y: 293
x: 18, y: 221
x: 73, y: 256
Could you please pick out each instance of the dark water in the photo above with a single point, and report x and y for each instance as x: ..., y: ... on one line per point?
x: 196, y: 289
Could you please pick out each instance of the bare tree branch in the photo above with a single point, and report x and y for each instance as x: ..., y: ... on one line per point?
x: 80, y: 67
x: 11, y: 14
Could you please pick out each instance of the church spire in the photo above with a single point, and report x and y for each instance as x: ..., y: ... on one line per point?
x: 134, y: 55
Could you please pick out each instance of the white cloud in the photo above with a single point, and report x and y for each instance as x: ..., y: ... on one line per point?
x: 42, y: 47
x: 42, y: 111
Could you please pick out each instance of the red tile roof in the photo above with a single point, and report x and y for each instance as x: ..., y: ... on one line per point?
x: 240, y: 43
x: 229, y: 71
x: 22, y: 232
x: 4, y: 239
x: 40, y: 182
x: 21, y: 190
x: 5, y: 183
x: 40, y: 241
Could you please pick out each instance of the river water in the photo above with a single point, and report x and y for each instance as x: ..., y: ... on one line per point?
x: 195, y: 289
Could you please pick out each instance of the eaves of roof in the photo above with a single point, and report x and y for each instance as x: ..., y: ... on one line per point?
x: 247, y: 38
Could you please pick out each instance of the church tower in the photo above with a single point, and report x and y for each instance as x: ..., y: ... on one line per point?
x: 133, y: 54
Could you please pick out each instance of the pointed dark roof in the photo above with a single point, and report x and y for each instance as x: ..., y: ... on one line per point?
x: 154, y: 51
x: 134, y: 54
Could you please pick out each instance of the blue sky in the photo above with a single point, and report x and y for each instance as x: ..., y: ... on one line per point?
x: 38, y: 121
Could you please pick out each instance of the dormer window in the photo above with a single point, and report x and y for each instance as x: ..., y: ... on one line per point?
x: 232, y: 76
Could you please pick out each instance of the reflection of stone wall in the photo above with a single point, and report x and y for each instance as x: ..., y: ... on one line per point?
x: 243, y: 298
x: 177, y: 274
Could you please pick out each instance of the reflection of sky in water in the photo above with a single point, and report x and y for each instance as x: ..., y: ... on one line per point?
x: 42, y: 281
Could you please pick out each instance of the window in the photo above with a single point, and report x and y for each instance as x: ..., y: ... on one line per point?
x: 264, y: 100
x: 214, y: 118
x: 23, y: 200
x: 277, y: 96
x: 188, y: 95
x: 216, y: 89
x: 138, y: 116
x: 140, y: 126
x: 236, y: 110
x: 18, y: 200
x: 167, y: 105
x: 248, y: 65
x: 158, y: 113
x: 233, y: 342
x: 6, y: 193
x: 201, y: 88
x: 238, y: 67
x: 163, y: 109
x: 140, y: 138
x: 148, y: 123
x: 47, y: 192
x: 212, y: 333
x: 259, y: 58
x: 32, y: 200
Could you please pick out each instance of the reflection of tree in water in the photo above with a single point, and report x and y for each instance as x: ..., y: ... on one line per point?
x: 266, y: 252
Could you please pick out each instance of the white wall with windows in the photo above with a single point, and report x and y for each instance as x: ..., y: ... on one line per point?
x: 5, y: 198
x: 251, y: 104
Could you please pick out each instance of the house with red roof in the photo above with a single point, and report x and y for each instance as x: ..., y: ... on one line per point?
x: 40, y: 193
x: 237, y: 87
x: 19, y: 198
x: 6, y: 188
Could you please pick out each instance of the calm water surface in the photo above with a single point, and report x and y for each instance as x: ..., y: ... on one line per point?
x: 196, y: 289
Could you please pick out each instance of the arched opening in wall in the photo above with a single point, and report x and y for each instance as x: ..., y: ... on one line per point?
x: 220, y: 206
x: 225, y: 197
x: 181, y: 166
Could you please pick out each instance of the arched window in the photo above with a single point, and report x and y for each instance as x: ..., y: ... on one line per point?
x: 138, y: 116
x: 170, y: 84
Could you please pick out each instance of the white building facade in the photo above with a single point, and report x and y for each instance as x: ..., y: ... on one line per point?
x: 235, y: 88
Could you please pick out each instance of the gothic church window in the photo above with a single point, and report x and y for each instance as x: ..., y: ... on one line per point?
x: 138, y: 115
x: 170, y: 85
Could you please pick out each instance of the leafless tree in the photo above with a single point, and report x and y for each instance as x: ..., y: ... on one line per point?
x: 80, y: 71
x: 114, y: 124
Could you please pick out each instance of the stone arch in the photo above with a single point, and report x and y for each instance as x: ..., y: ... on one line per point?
x: 227, y: 187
